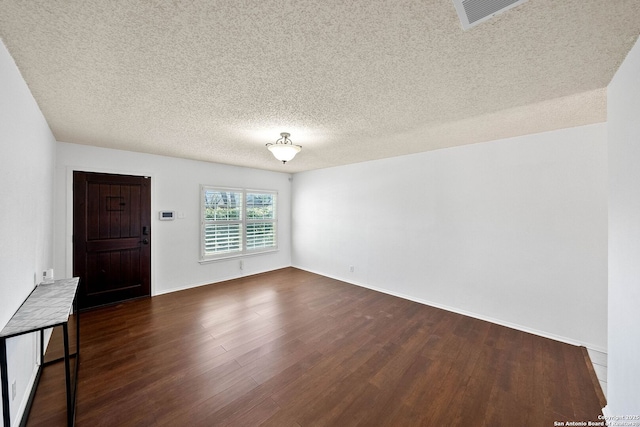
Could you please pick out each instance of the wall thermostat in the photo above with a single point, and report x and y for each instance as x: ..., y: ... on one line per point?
x: 167, y: 215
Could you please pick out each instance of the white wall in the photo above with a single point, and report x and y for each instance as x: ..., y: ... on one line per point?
x: 26, y: 167
x: 623, y: 388
x: 175, y: 185
x: 513, y: 231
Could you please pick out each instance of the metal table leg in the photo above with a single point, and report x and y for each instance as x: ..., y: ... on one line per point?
x: 6, y: 411
x: 67, y: 370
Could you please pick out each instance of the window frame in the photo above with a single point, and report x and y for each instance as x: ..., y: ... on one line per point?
x: 243, y: 222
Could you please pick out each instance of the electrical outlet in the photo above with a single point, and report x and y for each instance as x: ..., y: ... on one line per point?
x: 352, y: 268
x: 13, y: 390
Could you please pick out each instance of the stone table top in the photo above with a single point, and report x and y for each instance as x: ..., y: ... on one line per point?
x: 48, y: 305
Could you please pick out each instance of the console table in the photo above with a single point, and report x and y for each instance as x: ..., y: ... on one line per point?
x: 47, y: 306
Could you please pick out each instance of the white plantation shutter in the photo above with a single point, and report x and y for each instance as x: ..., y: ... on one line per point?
x: 261, y: 235
x: 237, y: 222
x: 222, y: 221
x: 222, y: 238
x: 261, y: 224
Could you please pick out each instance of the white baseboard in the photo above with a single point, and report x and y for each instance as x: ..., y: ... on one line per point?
x: 25, y: 398
x: 31, y: 383
x: 467, y: 313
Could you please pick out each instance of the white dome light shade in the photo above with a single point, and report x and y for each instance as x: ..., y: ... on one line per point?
x: 284, y: 153
x: 283, y: 149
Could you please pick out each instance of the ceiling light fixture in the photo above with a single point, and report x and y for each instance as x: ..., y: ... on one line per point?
x: 283, y: 149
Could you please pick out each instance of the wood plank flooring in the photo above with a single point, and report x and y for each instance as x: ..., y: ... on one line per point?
x: 291, y: 348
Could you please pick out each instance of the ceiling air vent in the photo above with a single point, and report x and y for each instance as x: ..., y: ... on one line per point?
x: 473, y: 12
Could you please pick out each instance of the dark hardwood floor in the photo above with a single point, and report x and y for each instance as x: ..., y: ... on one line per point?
x: 291, y: 348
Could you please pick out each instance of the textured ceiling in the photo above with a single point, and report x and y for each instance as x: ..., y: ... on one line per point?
x: 350, y: 80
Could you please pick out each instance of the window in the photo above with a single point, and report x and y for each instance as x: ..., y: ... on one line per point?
x: 237, y: 222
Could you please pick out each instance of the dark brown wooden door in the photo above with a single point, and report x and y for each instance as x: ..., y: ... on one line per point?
x: 111, y: 237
